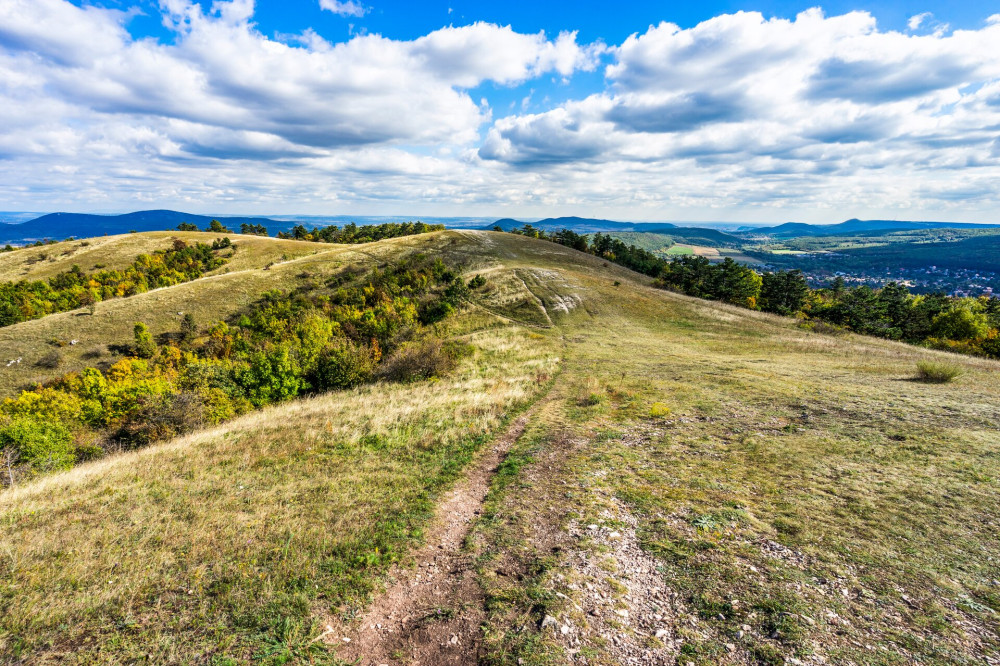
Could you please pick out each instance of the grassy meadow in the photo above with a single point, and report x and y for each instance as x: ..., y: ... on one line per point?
x: 801, y: 495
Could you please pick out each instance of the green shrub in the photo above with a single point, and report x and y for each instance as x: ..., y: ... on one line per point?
x: 40, y: 445
x: 144, y: 345
x: 937, y: 372
x: 477, y: 282
x: 659, y: 410
x: 343, y: 365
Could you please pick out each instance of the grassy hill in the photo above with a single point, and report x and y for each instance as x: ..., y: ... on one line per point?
x: 694, y: 483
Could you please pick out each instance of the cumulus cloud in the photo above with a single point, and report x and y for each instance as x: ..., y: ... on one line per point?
x: 799, y: 104
x: 815, y: 112
x: 75, y: 83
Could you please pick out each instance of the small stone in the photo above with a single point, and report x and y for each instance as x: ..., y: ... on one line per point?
x: 548, y: 621
x: 454, y: 640
x: 730, y: 647
x: 740, y: 634
x: 720, y: 617
x: 346, y: 639
x: 564, y: 629
x: 662, y: 633
x: 591, y: 527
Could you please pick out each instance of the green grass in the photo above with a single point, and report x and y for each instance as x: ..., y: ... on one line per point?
x: 769, y: 469
x: 937, y: 372
x: 240, y: 541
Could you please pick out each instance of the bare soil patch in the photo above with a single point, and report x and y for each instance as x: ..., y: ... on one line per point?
x: 432, y: 613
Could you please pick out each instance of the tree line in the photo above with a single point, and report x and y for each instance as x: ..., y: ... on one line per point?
x: 352, y: 233
x: 320, y: 337
x: 966, y: 325
x: 75, y: 288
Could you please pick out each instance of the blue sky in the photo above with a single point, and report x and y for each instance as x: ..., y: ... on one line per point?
x: 640, y: 110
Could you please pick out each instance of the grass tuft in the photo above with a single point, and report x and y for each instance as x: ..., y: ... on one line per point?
x: 937, y: 372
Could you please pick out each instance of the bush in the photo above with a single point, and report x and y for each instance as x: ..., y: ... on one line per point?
x: 52, y: 360
x: 477, y: 282
x: 144, y: 345
x: 936, y: 372
x: 659, y: 410
x: 40, y: 445
x: 424, y: 360
x: 159, y: 417
x: 343, y: 365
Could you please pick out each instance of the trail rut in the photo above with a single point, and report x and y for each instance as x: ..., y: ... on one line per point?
x: 432, y: 614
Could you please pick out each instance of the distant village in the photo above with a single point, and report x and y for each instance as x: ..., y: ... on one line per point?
x: 931, y: 279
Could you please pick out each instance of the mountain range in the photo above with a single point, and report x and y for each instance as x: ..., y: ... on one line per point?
x: 64, y: 225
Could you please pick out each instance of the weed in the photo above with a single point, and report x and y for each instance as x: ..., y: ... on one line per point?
x: 659, y: 410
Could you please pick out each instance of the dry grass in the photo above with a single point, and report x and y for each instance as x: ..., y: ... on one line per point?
x: 114, y: 252
x: 797, y: 483
x: 209, y: 299
x: 208, y: 544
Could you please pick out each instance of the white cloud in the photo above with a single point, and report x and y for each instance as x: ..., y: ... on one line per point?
x: 348, y: 8
x: 917, y: 20
x: 746, y: 110
x: 816, y: 114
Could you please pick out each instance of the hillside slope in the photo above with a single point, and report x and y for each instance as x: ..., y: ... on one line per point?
x: 700, y: 484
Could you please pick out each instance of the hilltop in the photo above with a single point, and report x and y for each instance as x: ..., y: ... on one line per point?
x: 645, y: 476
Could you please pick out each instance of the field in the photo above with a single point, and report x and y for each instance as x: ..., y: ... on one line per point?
x: 975, y: 249
x: 694, y: 483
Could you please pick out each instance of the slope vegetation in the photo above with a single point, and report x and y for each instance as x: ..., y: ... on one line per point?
x: 701, y: 484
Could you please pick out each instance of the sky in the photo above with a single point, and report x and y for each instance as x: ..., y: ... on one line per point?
x: 762, y: 111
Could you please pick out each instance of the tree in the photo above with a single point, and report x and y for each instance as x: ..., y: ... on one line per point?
x: 188, y: 328
x: 837, y: 287
x: 186, y: 226
x: 253, y: 229
x: 734, y: 283
x: 144, y: 345
x: 217, y: 227
x: 784, y: 292
x: 964, y: 321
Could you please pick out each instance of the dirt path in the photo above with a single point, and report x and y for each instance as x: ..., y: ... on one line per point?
x: 432, y: 614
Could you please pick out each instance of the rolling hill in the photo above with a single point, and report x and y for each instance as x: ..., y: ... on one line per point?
x: 855, y: 226
x: 583, y: 225
x: 612, y: 471
x: 65, y: 225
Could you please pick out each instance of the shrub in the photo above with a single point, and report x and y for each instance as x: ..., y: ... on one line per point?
x: 422, y: 360
x: 52, y: 360
x: 936, y: 372
x: 41, y: 445
x: 659, y: 410
x: 435, y: 312
x: 477, y: 282
x: 159, y: 417
x: 144, y: 345
x: 343, y: 365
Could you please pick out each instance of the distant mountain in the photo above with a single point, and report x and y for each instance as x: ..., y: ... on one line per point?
x: 855, y: 226
x: 584, y: 225
x: 79, y: 225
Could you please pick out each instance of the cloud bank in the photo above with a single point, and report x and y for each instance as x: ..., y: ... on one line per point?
x: 739, y: 113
